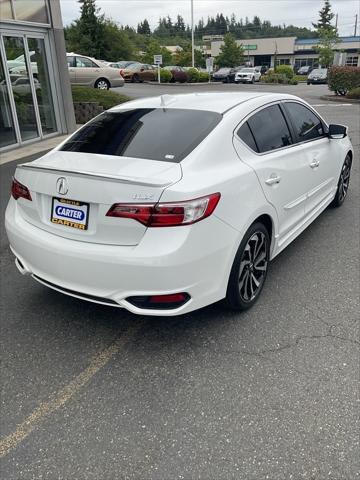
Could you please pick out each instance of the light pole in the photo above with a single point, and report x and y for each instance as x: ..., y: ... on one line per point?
x: 192, y: 35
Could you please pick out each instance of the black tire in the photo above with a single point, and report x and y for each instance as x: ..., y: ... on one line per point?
x: 102, y: 84
x: 136, y: 78
x: 343, y: 183
x: 309, y: 83
x: 249, y: 269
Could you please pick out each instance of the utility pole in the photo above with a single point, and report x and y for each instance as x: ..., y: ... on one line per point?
x: 356, y: 21
x: 336, y: 20
x: 192, y: 35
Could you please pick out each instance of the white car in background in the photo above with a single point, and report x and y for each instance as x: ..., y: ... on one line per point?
x: 248, y: 75
x: 165, y: 205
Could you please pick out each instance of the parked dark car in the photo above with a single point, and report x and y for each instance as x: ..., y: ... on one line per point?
x: 225, y: 75
x: 305, y: 70
x: 319, y: 75
x: 179, y: 74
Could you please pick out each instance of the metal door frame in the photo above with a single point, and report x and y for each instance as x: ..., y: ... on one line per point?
x: 25, y: 34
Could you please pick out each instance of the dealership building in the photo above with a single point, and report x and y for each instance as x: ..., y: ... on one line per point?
x: 293, y: 51
x: 35, y: 91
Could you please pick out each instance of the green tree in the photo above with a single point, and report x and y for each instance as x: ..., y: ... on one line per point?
x: 328, y: 40
x: 183, y: 57
x: 144, y: 28
x: 328, y: 36
x: 325, y: 17
x: 116, y: 45
x: 153, y: 48
x: 86, y: 35
x: 231, y: 54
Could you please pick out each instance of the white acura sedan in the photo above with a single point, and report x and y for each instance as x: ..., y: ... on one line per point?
x: 165, y: 205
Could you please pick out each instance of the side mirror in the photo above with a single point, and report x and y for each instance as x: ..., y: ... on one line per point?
x: 337, y: 131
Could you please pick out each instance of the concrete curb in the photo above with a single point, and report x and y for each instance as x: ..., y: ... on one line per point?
x: 339, y: 98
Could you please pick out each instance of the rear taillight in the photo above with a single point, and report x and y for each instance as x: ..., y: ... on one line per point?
x: 167, y: 214
x: 121, y: 73
x: 18, y: 190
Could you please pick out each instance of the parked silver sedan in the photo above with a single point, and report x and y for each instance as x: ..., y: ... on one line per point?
x: 93, y: 73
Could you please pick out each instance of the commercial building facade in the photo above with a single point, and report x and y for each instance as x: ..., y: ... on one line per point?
x: 293, y: 51
x: 35, y: 92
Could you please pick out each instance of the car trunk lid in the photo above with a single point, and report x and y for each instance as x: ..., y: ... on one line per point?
x: 72, y: 192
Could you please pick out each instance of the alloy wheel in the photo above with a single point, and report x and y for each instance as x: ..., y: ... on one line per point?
x: 253, y: 267
x: 344, y: 180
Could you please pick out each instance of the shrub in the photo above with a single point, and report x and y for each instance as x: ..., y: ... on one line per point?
x: 203, y: 77
x: 343, y: 79
x: 105, y: 98
x: 165, y: 76
x: 354, y: 93
x: 275, y: 78
x: 193, y: 75
x: 285, y: 70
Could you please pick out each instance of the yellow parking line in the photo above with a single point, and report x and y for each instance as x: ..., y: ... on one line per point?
x: 66, y: 393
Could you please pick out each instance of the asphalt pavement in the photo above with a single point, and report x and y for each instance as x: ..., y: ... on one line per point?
x: 92, y: 392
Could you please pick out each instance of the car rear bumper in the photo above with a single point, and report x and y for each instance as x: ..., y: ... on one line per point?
x: 196, y: 260
x: 117, y: 82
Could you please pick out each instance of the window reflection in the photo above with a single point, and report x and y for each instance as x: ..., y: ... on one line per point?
x: 31, y: 11
x: 20, y: 83
x: 42, y: 84
x: 5, y: 10
x: 7, y: 132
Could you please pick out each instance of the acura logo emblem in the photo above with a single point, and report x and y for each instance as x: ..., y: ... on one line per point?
x: 62, y: 186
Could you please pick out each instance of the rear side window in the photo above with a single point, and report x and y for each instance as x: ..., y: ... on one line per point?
x: 270, y: 129
x: 307, y: 125
x: 85, y: 63
x: 246, y: 136
x: 151, y: 133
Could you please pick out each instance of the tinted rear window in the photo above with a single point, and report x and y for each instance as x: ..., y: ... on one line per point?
x: 155, y: 134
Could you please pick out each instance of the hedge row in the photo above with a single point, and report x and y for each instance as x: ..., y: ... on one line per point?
x: 193, y: 76
x: 343, y: 79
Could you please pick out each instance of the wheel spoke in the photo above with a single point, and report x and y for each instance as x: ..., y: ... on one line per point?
x: 261, y: 243
x: 260, y: 258
x: 246, y: 296
x: 261, y: 268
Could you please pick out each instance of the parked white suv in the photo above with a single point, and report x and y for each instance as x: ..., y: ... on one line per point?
x: 248, y: 75
x: 93, y: 73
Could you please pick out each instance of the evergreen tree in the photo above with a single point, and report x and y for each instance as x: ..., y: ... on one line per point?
x: 231, y: 54
x: 328, y: 36
x: 325, y: 17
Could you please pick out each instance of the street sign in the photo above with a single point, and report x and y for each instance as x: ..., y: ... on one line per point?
x: 210, y: 64
x: 158, y: 59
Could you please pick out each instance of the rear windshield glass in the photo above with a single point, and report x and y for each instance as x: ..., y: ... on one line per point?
x: 162, y: 134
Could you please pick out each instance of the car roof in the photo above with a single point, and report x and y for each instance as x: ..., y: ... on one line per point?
x: 219, y: 102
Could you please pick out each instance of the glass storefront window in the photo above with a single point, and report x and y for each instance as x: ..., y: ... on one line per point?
x: 42, y: 84
x: 7, y: 131
x: 31, y: 11
x: 6, y: 10
x: 20, y: 84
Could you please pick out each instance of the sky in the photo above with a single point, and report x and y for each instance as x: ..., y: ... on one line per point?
x: 296, y: 12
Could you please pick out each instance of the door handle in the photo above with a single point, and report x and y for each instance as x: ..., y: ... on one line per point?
x: 314, y: 164
x: 273, y: 180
